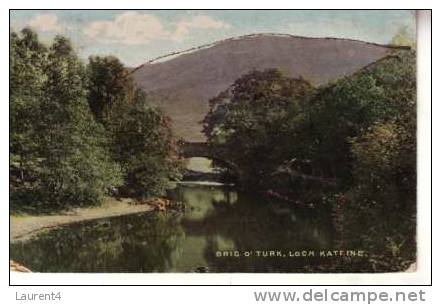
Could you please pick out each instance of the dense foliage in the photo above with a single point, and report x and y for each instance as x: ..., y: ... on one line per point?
x: 141, y: 138
x: 147, y: 151
x: 110, y: 88
x: 253, y: 120
x: 267, y: 122
x: 357, y: 134
x: 67, y: 124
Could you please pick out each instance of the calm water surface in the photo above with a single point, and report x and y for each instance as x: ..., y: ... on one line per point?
x: 221, y: 231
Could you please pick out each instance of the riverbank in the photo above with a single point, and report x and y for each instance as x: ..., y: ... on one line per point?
x: 23, y: 226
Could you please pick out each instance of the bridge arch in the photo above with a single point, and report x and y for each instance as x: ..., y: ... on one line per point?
x: 204, y: 150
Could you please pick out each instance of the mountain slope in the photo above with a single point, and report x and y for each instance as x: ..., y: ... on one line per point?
x: 183, y: 84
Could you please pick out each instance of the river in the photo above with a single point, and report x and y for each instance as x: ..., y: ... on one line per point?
x: 221, y: 230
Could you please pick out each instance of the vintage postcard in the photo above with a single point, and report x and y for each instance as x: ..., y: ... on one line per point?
x: 215, y: 141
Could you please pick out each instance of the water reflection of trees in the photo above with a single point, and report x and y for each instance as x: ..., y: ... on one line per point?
x: 257, y: 225
x: 135, y: 243
x: 253, y: 224
x: 219, y: 219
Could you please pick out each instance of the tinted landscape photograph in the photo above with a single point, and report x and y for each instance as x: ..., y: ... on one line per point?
x: 212, y: 141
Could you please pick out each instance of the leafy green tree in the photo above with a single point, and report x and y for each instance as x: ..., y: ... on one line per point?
x: 110, y: 88
x: 79, y: 133
x: 253, y: 122
x: 382, y: 198
x: 385, y: 152
x: 141, y: 138
x: 77, y: 164
x: 266, y: 121
x: 57, y: 146
x: 147, y: 151
x: 347, y: 108
x: 27, y: 78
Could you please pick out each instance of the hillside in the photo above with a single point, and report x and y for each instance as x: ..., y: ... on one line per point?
x: 182, y: 84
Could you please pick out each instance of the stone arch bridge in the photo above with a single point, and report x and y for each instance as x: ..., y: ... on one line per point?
x: 203, y: 150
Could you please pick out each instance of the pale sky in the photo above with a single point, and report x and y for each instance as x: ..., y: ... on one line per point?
x: 138, y: 36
